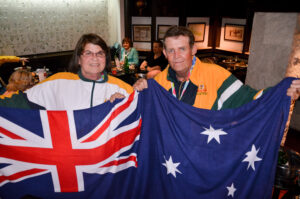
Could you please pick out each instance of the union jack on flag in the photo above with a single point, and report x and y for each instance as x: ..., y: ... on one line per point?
x: 61, y: 144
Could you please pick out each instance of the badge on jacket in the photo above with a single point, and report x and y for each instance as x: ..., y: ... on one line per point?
x: 202, y: 90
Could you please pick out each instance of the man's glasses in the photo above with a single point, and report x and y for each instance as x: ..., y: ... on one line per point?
x: 90, y: 54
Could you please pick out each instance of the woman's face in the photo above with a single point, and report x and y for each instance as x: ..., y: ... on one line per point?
x: 92, y: 61
x: 126, y: 45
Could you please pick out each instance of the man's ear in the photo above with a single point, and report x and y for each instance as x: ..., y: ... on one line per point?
x: 164, y: 51
x: 194, y: 50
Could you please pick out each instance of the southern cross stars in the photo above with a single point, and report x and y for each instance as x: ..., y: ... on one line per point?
x: 252, y: 157
x: 231, y: 190
x: 213, y: 134
x: 171, y: 166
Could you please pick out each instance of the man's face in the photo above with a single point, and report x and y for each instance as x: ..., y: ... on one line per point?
x: 179, y: 53
x: 156, y: 48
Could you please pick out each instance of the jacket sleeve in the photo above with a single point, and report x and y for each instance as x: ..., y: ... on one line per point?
x: 135, y: 56
x: 233, y: 93
x: 4, y: 59
x: 18, y: 100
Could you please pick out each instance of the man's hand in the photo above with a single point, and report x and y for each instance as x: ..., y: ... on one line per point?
x: 294, y: 90
x: 143, y: 65
x: 140, y: 84
x: 116, y: 96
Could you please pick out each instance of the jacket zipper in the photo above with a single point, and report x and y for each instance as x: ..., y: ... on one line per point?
x: 92, y: 94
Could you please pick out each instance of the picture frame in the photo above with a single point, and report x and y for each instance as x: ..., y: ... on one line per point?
x: 141, y: 33
x: 161, y: 31
x: 234, y: 32
x: 198, y: 30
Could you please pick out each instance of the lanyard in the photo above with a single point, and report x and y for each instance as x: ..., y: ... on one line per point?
x: 185, y: 83
x: 101, y: 77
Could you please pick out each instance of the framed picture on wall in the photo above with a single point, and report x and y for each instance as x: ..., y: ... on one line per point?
x: 234, y: 32
x: 161, y: 31
x: 198, y: 30
x: 141, y: 33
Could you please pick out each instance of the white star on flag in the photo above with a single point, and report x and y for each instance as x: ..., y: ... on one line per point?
x: 252, y: 157
x: 231, y: 190
x: 213, y: 134
x: 171, y: 166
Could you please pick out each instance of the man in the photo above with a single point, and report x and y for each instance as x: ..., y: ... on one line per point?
x: 202, y: 85
x: 156, y: 61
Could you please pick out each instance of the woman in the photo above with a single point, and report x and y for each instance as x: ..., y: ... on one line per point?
x: 156, y: 62
x: 19, y: 80
x: 86, y: 85
x: 130, y: 52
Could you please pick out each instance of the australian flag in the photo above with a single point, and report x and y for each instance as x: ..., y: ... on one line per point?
x: 149, y: 145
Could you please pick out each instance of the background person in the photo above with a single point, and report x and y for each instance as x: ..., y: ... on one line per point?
x: 129, y: 51
x: 86, y: 85
x: 20, y: 80
x: 156, y: 61
x: 199, y: 84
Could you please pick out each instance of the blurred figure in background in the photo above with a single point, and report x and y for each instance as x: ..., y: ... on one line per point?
x: 129, y: 51
x: 4, y: 59
x: 156, y: 61
x: 115, y: 51
x: 20, y: 80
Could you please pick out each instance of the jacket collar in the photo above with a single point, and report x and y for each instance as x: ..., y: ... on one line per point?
x: 103, y: 79
x: 171, y: 75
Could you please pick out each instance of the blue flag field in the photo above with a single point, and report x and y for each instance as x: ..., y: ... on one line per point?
x: 149, y: 145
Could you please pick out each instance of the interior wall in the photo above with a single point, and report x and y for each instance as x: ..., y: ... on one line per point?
x: 122, y: 19
x: 165, y: 21
x: 141, y: 46
x: 202, y: 44
x: 234, y: 46
x: 34, y: 26
x: 114, y: 21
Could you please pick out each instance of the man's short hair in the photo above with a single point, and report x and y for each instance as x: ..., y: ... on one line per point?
x: 175, y: 31
x: 159, y: 42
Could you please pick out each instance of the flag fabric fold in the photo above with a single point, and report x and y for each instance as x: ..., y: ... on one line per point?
x: 149, y: 145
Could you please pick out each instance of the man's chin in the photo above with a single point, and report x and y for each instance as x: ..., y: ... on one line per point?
x: 177, y: 66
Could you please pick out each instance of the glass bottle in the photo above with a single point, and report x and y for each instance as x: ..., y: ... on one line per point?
x: 126, y: 65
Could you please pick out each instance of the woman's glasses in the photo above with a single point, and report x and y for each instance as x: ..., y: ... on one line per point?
x: 90, y: 54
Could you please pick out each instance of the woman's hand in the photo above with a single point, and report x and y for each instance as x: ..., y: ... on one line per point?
x: 116, y: 96
x: 294, y: 90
